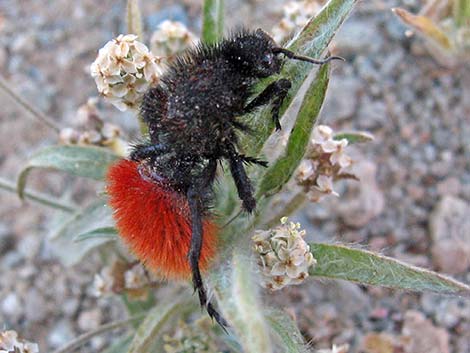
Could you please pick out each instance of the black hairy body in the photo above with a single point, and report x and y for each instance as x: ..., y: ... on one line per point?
x: 193, y: 120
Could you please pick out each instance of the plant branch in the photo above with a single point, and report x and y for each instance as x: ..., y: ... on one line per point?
x: 81, y: 340
x: 292, y: 206
x: 38, y: 197
x: 26, y: 106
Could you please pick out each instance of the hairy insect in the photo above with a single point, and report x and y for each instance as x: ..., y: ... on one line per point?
x: 162, y: 195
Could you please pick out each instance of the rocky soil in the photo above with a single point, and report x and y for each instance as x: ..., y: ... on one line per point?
x: 413, y: 202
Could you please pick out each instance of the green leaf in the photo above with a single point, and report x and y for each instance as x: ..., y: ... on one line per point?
x: 212, y: 21
x: 150, y: 328
x: 63, y: 241
x: 110, y: 233
x: 89, y: 162
x: 340, y: 262
x: 312, y: 41
x: 134, y: 19
x: 354, y: 137
x: 282, y: 169
x: 291, y: 339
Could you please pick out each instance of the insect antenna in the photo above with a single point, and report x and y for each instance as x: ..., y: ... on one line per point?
x: 294, y: 56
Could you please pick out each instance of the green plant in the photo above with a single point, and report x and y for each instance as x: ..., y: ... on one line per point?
x: 255, y: 328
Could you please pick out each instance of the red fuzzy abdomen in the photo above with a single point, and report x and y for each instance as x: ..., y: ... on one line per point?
x: 154, y: 221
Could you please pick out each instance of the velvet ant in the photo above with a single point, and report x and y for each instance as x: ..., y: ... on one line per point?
x: 163, y: 194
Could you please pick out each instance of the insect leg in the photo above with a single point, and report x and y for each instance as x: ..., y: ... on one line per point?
x: 144, y: 151
x: 275, y: 92
x: 195, y: 196
x: 242, y: 182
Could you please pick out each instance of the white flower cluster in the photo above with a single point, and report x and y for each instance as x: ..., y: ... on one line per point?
x: 284, y: 256
x: 296, y: 15
x: 325, y: 162
x: 122, y: 277
x: 335, y: 349
x: 9, y: 343
x: 171, y: 38
x: 123, y: 71
x: 93, y: 130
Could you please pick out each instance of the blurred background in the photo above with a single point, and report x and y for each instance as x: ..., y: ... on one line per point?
x: 412, y: 202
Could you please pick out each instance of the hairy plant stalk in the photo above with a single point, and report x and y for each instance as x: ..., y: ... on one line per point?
x: 38, y: 197
x: 293, y: 205
x: 4, y: 85
x: 134, y: 18
x: 461, y: 12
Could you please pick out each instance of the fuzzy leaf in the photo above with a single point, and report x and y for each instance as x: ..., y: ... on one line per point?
x: 355, y: 137
x: 291, y: 339
x: 312, y: 41
x: 103, y: 233
x: 89, y: 162
x: 425, y: 26
x: 157, y: 317
x: 282, y: 169
x: 240, y: 304
x: 63, y: 241
x: 134, y: 19
x: 340, y: 262
x: 213, y: 21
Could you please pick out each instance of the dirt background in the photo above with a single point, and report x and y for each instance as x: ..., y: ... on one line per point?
x: 412, y: 203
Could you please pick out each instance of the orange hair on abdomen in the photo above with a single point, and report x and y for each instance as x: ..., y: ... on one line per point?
x: 154, y: 221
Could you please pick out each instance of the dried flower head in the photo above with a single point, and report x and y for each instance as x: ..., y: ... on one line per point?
x: 103, y: 282
x: 325, y: 162
x: 122, y: 277
x: 284, y: 256
x: 135, y: 277
x: 171, y: 38
x: 9, y: 343
x: 123, y: 71
x: 296, y: 15
x: 93, y: 130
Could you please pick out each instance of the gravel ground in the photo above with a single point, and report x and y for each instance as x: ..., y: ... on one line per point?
x: 411, y: 204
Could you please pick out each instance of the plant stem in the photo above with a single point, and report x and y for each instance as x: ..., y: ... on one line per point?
x: 81, y: 340
x: 26, y: 106
x: 461, y: 10
x: 292, y: 206
x: 38, y: 197
x: 134, y: 19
